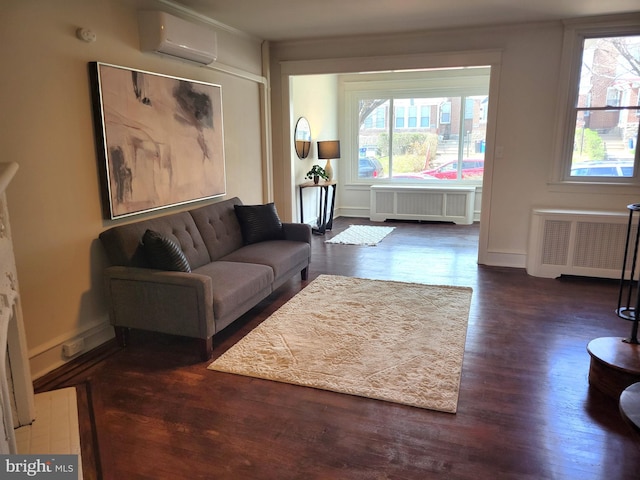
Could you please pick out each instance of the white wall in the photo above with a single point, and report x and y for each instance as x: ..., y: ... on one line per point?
x: 524, y: 129
x: 47, y: 128
x: 313, y: 97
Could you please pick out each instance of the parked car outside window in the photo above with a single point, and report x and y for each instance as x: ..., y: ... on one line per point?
x: 369, y: 167
x: 449, y: 170
x: 602, y: 169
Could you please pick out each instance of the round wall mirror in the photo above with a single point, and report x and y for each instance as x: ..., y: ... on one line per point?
x: 302, y: 138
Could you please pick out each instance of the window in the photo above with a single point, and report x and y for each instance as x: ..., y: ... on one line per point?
x: 445, y: 113
x: 613, y: 97
x: 469, y: 109
x: 381, y: 115
x: 436, y: 133
x: 602, y: 121
x: 413, y: 119
x: 425, y: 116
x: 377, y: 119
x: 399, y: 117
x: 426, y: 153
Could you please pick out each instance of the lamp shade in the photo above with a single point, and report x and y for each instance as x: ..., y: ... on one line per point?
x: 329, y: 149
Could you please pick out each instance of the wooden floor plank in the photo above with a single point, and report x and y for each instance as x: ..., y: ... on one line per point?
x: 525, y: 409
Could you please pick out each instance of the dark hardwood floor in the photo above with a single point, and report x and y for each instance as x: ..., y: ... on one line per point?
x: 525, y: 408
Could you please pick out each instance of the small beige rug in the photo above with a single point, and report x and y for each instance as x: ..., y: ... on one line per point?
x: 394, y: 341
x: 361, y: 235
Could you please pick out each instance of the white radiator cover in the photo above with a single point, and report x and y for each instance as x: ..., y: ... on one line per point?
x: 404, y: 202
x: 577, y: 242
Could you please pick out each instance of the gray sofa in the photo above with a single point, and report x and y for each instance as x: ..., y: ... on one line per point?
x: 229, y: 263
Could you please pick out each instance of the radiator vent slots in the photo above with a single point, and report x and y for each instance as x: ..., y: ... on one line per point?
x: 400, y: 202
x: 600, y: 245
x: 555, y: 244
x: 577, y: 242
x: 456, y: 204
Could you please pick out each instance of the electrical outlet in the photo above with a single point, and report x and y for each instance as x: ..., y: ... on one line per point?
x: 73, y: 347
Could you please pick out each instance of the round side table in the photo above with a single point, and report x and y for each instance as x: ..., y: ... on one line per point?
x: 615, y: 364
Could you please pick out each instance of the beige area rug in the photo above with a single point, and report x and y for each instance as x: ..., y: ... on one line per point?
x: 361, y: 235
x: 394, y: 341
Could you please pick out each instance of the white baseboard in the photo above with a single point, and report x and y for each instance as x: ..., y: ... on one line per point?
x: 503, y: 259
x: 351, y: 212
x: 45, y: 358
x: 365, y: 213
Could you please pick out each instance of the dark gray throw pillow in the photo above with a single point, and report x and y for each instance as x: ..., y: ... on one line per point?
x: 259, y: 223
x: 163, y: 253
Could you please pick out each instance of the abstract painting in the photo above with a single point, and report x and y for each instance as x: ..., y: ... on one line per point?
x: 160, y: 139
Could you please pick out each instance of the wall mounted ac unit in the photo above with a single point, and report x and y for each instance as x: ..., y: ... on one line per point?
x: 169, y: 35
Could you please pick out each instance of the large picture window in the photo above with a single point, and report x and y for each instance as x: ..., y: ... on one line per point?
x: 435, y: 131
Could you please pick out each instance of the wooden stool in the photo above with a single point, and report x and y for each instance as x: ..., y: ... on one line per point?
x: 615, y: 364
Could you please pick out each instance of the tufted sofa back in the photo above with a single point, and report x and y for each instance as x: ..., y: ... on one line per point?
x: 123, y: 243
x: 204, y: 235
x: 219, y: 227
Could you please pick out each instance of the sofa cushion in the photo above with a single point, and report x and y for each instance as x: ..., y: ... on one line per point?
x: 259, y: 223
x: 236, y: 288
x: 163, y: 253
x: 280, y: 255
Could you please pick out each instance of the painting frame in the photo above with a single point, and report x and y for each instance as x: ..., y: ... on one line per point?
x: 159, y: 139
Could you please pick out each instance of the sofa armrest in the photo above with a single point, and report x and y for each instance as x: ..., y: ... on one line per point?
x: 299, y: 232
x: 175, y: 303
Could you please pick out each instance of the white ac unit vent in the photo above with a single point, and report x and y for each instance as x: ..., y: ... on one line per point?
x: 427, y: 203
x: 577, y: 242
x: 169, y: 35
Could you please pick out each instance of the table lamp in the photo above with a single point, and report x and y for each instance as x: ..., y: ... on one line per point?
x: 327, y: 150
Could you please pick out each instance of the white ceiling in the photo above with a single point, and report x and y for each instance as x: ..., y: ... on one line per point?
x: 295, y: 19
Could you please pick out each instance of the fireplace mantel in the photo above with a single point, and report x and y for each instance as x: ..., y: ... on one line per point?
x: 16, y: 388
x: 56, y: 428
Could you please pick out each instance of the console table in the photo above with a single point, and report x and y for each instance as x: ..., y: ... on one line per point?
x: 325, y: 211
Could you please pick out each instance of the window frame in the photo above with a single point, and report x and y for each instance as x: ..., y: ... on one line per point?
x: 474, y: 80
x: 575, y: 32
